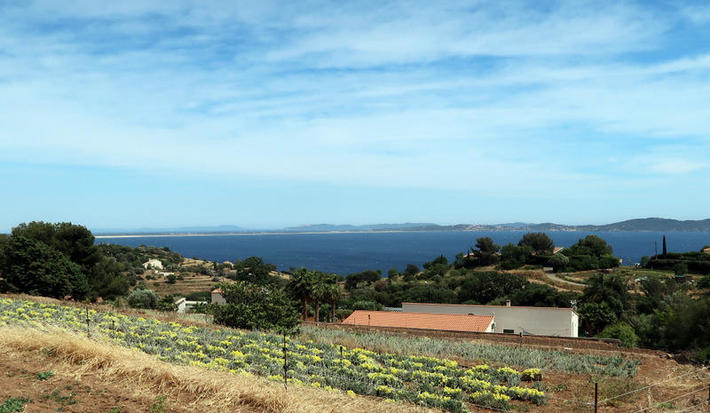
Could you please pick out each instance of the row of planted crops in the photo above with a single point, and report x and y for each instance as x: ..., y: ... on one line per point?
x: 429, y: 381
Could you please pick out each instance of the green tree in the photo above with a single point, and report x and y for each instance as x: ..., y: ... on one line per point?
x: 541, y: 295
x: 440, y: 260
x: 539, y: 242
x: 320, y: 290
x: 590, y: 245
x: 3, y: 240
x: 623, y: 332
x: 107, y: 280
x: 255, y: 270
x: 596, y: 316
x: 665, y: 247
x: 558, y: 262
x: 486, y: 245
x: 609, y: 293
x: 680, y: 269
x: 166, y: 303
x: 484, y: 287
x: 332, y: 295
x: 77, y: 243
x: 485, y: 253
x: 74, y: 241
x: 410, y: 272
x: 656, y: 289
x: 366, y: 277
x: 513, y: 256
x: 256, y: 307
x: 301, y: 286
x: 32, y: 267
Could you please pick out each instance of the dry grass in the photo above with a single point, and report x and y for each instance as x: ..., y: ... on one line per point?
x: 194, y: 388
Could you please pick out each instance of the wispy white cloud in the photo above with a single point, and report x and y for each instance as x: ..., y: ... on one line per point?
x: 385, y: 94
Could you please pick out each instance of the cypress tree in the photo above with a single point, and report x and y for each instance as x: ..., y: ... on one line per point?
x: 665, y: 249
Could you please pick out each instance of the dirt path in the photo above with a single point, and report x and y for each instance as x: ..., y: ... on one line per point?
x: 555, y: 278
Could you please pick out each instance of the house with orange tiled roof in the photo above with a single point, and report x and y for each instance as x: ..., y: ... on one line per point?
x: 444, y: 322
x: 543, y: 321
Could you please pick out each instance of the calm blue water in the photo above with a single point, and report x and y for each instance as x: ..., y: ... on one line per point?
x: 355, y: 252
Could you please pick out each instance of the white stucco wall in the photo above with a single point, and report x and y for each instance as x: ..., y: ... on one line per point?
x: 218, y: 299
x: 546, y: 321
x: 183, y: 305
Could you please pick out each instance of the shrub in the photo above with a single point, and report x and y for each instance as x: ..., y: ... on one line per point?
x: 167, y: 303
x: 140, y: 298
x: 621, y: 331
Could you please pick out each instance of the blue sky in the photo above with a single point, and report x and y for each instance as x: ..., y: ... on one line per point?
x: 152, y: 113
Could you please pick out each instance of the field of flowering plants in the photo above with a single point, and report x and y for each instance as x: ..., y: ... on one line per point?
x: 428, y: 381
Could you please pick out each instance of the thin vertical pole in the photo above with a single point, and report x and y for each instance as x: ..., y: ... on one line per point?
x: 596, y: 396
x: 285, y: 366
x: 88, y: 331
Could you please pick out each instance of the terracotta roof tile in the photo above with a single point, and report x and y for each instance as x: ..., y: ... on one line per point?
x: 448, y: 322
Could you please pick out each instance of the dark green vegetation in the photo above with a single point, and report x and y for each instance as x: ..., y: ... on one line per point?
x: 459, y: 282
x: 536, y: 249
x: 260, y: 300
x: 256, y: 306
x: 696, y: 262
x: 59, y: 260
x: 665, y: 315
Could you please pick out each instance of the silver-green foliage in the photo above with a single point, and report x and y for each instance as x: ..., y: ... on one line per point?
x: 523, y: 357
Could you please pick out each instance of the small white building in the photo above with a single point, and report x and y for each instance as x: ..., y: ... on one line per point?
x: 153, y: 264
x: 543, y: 321
x: 217, y: 297
x: 183, y: 305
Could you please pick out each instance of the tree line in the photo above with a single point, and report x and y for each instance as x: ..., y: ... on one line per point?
x: 59, y: 260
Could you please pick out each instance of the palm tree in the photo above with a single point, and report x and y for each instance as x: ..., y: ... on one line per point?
x: 334, y: 294
x: 301, y: 285
x: 320, y: 290
x: 319, y: 293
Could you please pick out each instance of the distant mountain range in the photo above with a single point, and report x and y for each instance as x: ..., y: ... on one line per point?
x: 641, y: 224
x: 176, y: 230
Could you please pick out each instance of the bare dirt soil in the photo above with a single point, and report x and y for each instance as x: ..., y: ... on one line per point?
x: 51, y: 389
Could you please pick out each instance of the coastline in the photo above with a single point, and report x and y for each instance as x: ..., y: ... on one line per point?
x: 222, y: 234
x: 384, y: 231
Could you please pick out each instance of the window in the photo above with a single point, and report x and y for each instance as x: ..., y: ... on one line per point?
x: 508, y: 331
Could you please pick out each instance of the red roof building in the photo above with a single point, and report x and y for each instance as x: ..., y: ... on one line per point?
x: 445, y: 322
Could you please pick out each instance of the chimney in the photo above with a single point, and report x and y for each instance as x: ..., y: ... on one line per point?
x: 507, y: 303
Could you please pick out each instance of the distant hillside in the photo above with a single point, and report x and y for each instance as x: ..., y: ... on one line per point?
x: 176, y: 230
x: 655, y: 224
x: 374, y: 227
x: 641, y: 224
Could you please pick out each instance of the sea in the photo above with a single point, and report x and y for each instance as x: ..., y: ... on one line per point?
x: 351, y: 252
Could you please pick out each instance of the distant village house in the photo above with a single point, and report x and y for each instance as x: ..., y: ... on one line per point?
x: 153, y: 264
x: 183, y: 305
